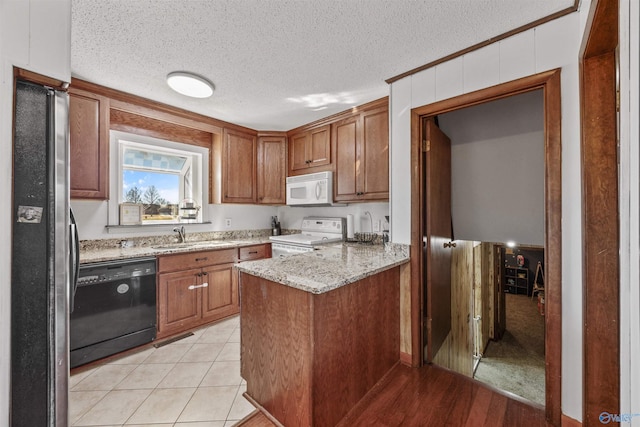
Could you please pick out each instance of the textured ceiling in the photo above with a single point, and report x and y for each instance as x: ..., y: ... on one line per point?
x: 278, y: 64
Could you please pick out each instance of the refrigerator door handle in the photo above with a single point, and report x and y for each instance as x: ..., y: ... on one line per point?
x: 75, y: 258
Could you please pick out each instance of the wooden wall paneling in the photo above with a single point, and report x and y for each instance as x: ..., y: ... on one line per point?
x: 487, y: 292
x: 600, y: 222
x: 276, y: 349
x: 477, y: 332
x: 405, y: 314
x: 462, y: 281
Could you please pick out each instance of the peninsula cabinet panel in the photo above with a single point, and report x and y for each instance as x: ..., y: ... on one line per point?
x: 89, y: 145
x: 220, y: 297
x: 179, y: 301
x: 309, y: 359
x: 272, y: 169
x: 239, y: 167
x: 310, y: 150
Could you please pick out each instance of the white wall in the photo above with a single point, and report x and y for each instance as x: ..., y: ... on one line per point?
x: 629, y: 209
x: 34, y: 35
x: 92, y: 216
x: 291, y: 217
x: 549, y: 46
x: 497, y: 170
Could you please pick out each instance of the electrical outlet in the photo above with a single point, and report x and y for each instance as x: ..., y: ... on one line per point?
x: 376, y: 226
x: 227, y: 222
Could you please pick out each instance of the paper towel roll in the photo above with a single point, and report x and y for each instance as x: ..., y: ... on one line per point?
x: 349, y: 226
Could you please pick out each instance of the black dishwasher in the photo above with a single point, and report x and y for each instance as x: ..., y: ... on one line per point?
x: 114, y: 309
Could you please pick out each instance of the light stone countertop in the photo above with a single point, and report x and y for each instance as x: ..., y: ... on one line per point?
x: 112, y: 254
x: 329, y: 267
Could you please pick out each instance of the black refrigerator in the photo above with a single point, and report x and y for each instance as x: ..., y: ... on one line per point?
x: 43, y: 258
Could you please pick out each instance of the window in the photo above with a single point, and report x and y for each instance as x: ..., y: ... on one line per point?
x: 164, y: 178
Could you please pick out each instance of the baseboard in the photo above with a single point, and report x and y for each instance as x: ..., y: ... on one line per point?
x: 405, y: 359
x: 570, y: 422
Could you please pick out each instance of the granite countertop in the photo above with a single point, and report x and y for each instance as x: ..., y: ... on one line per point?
x: 112, y: 254
x: 328, y: 267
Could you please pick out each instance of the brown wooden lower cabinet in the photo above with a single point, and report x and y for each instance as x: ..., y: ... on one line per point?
x: 309, y: 358
x: 196, y: 288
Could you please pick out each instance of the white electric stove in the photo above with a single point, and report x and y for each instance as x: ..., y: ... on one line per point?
x: 314, y: 231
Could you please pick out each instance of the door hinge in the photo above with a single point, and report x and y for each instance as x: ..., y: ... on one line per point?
x: 426, y: 145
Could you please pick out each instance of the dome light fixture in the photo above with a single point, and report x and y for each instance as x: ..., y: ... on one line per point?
x: 190, y: 84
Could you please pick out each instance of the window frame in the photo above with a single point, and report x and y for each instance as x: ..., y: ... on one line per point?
x: 197, y: 161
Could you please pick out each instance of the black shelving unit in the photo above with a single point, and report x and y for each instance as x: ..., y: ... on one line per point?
x: 516, y: 280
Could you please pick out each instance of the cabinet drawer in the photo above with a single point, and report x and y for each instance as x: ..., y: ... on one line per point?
x: 253, y: 252
x: 196, y: 259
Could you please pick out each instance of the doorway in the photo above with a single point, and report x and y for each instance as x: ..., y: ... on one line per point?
x: 549, y: 82
x: 497, y: 195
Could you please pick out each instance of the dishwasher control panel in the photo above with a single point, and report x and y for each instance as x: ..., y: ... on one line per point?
x: 117, y: 270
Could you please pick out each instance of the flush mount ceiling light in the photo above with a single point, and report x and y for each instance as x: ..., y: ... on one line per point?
x: 190, y: 84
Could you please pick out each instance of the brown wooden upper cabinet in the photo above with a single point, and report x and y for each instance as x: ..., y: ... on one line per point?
x: 272, y: 168
x: 89, y: 144
x: 239, y: 167
x: 309, y: 149
x: 362, y: 156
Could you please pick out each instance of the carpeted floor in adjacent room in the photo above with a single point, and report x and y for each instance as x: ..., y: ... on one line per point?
x: 516, y: 362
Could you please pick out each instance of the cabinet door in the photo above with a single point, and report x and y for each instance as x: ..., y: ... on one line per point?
x: 375, y: 154
x: 179, y: 300
x: 220, y: 297
x: 345, y: 134
x: 272, y: 169
x: 310, y: 149
x: 89, y: 145
x: 319, y: 149
x: 239, y: 167
x: 298, y: 151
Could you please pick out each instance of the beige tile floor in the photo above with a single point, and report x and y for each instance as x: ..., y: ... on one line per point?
x: 193, y: 382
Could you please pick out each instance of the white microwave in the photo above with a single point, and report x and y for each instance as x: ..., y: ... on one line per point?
x: 314, y: 189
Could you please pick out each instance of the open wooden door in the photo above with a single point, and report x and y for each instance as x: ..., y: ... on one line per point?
x: 436, y: 157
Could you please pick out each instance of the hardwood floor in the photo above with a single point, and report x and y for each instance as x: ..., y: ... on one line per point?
x: 432, y: 396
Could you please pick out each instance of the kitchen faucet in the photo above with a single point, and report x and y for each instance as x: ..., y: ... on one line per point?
x: 181, y: 233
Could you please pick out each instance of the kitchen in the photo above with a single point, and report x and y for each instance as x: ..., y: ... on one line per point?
x: 399, y: 187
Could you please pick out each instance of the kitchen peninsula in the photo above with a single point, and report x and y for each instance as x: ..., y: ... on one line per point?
x: 319, y: 329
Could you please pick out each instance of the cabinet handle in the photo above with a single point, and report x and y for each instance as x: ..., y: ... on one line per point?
x: 201, y: 259
x: 204, y: 273
x: 192, y: 287
x: 449, y: 245
x: 253, y: 252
